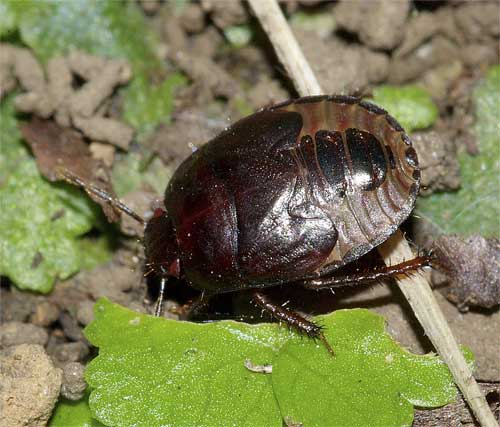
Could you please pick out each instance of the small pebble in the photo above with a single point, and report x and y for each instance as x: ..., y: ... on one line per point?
x: 15, y: 306
x: 16, y: 333
x: 70, y: 327
x: 71, y: 351
x: 73, y: 382
x: 45, y: 314
x: 85, y: 312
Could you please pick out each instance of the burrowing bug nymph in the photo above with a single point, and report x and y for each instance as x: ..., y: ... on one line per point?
x: 287, y: 195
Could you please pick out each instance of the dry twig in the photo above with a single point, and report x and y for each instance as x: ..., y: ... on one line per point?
x: 416, y: 289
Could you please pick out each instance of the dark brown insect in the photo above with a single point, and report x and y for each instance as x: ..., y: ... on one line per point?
x: 287, y: 195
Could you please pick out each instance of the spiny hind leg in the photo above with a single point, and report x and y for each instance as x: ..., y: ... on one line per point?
x: 293, y: 319
x: 368, y: 276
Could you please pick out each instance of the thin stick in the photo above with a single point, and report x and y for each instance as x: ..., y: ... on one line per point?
x: 421, y: 299
x: 286, y: 46
x: 416, y: 289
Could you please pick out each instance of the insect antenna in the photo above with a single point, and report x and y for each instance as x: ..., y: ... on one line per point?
x: 99, y: 193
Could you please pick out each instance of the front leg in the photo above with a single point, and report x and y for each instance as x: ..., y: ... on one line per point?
x: 374, y: 275
x: 292, y: 318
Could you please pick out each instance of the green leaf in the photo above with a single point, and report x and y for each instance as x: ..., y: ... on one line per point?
x: 370, y: 381
x: 475, y: 207
x: 165, y: 372
x: 107, y: 28
x: 73, y: 414
x: 410, y: 105
x: 39, y: 221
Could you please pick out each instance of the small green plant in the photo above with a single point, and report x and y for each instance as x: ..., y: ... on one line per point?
x: 152, y: 371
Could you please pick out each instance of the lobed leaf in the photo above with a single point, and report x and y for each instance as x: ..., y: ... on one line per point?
x: 153, y: 371
x: 370, y: 381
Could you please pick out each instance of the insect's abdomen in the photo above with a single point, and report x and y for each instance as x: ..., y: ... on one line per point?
x: 360, y: 167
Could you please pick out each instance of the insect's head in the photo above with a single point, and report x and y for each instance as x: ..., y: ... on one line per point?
x: 160, y: 246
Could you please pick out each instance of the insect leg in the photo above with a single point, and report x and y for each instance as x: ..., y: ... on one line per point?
x: 373, y: 275
x: 293, y: 319
x: 92, y: 190
x: 161, y: 295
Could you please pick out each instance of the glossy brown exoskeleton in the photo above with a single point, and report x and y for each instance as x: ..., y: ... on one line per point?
x: 287, y: 195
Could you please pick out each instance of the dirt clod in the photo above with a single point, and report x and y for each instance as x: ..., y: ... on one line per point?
x: 86, y: 100
x: 478, y: 21
x: 150, y: 6
x: 30, y: 386
x: 339, y: 67
x: 105, y: 129
x: 103, y: 152
x: 15, y: 306
x: 205, y: 70
x: 225, y: 14
x: 438, y: 162
x: 73, y: 383
x: 473, y: 269
x: 16, y: 333
x: 112, y: 280
x: 54, y: 94
x: 419, y: 29
x: 175, y: 142
x: 266, y: 92
x: 193, y: 18
x: 379, y: 24
x: 70, y: 326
